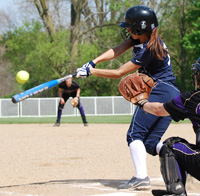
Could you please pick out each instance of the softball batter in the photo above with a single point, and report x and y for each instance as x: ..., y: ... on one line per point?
x: 150, y: 56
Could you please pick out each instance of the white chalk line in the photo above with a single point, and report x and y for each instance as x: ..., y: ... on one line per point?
x: 133, y: 193
x: 95, y: 186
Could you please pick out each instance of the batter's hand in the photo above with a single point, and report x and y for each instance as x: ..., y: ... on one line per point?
x: 83, y: 72
x: 90, y: 64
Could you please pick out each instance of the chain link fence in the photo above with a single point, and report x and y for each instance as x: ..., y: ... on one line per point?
x: 47, y: 107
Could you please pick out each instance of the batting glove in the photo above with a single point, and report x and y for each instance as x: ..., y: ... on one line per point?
x: 83, y: 72
x: 90, y: 64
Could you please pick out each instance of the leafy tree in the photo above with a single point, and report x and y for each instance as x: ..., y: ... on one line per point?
x: 29, y: 48
x: 192, y: 39
x: 95, y: 86
x: 94, y: 29
x: 173, y: 28
x: 103, y: 35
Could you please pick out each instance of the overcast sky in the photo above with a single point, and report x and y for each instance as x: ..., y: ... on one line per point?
x: 5, y: 3
x: 19, y: 11
x: 14, y: 9
x: 8, y: 4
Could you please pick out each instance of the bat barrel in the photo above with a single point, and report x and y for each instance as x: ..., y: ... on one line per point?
x: 38, y: 89
x: 34, y: 91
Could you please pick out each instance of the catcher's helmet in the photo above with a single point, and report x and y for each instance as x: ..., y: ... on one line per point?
x: 141, y: 19
x: 196, y: 74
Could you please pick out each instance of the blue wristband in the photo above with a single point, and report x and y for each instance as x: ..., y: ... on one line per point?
x: 88, y: 71
x: 92, y: 63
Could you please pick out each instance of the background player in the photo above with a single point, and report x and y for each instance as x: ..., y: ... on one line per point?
x: 67, y: 89
x: 150, y: 56
x: 185, y: 105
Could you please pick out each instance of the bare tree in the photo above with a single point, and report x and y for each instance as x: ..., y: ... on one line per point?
x: 6, y: 77
x: 7, y: 20
x: 76, y: 11
x: 43, y: 10
x: 7, y: 81
x: 182, y: 29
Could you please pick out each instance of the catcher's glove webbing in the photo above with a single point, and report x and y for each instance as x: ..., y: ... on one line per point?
x: 136, y: 88
x: 74, y: 101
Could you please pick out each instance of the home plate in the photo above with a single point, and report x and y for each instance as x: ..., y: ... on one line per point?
x: 116, y: 194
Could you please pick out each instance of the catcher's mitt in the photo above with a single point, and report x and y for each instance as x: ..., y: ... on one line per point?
x: 74, y: 101
x: 136, y: 87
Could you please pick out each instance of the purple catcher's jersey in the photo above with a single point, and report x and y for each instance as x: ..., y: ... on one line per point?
x: 186, y: 105
x: 157, y: 69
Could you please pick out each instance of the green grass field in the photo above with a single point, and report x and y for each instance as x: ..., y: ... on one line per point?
x: 123, y: 119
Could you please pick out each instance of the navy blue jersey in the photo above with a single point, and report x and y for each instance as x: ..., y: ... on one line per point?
x: 147, y: 127
x: 185, y: 105
x: 157, y: 69
x: 69, y: 91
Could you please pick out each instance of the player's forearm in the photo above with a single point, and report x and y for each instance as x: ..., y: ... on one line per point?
x: 106, y: 56
x: 60, y: 92
x: 113, y: 52
x: 115, y: 73
x: 106, y: 73
x: 155, y: 108
x: 78, y: 92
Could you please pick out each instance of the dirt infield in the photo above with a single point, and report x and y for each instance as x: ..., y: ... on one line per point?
x: 73, y: 160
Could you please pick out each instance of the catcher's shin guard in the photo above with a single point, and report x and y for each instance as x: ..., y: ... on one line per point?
x: 197, y: 131
x: 169, y: 171
x: 198, y: 139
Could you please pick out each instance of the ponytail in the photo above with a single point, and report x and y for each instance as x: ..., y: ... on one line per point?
x: 155, y: 46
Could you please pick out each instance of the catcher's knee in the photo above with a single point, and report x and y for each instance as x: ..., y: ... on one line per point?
x: 169, y: 171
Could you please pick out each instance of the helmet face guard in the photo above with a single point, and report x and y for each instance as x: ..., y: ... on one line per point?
x: 196, y: 74
x: 125, y: 34
x: 140, y: 19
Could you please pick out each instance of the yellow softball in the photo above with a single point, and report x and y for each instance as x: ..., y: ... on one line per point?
x: 22, y: 76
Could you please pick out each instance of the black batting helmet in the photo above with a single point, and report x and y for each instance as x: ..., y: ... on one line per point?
x: 196, y: 74
x: 141, y: 19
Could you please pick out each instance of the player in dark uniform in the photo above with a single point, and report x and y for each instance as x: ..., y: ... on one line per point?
x: 177, y: 156
x: 69, y: 89
x: 149, y: 56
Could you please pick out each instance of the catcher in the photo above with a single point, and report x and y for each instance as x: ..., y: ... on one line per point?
x: 176, y: 154
x: 69, y: 89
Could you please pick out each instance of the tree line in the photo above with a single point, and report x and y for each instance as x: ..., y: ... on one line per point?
x: 48, y: 47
